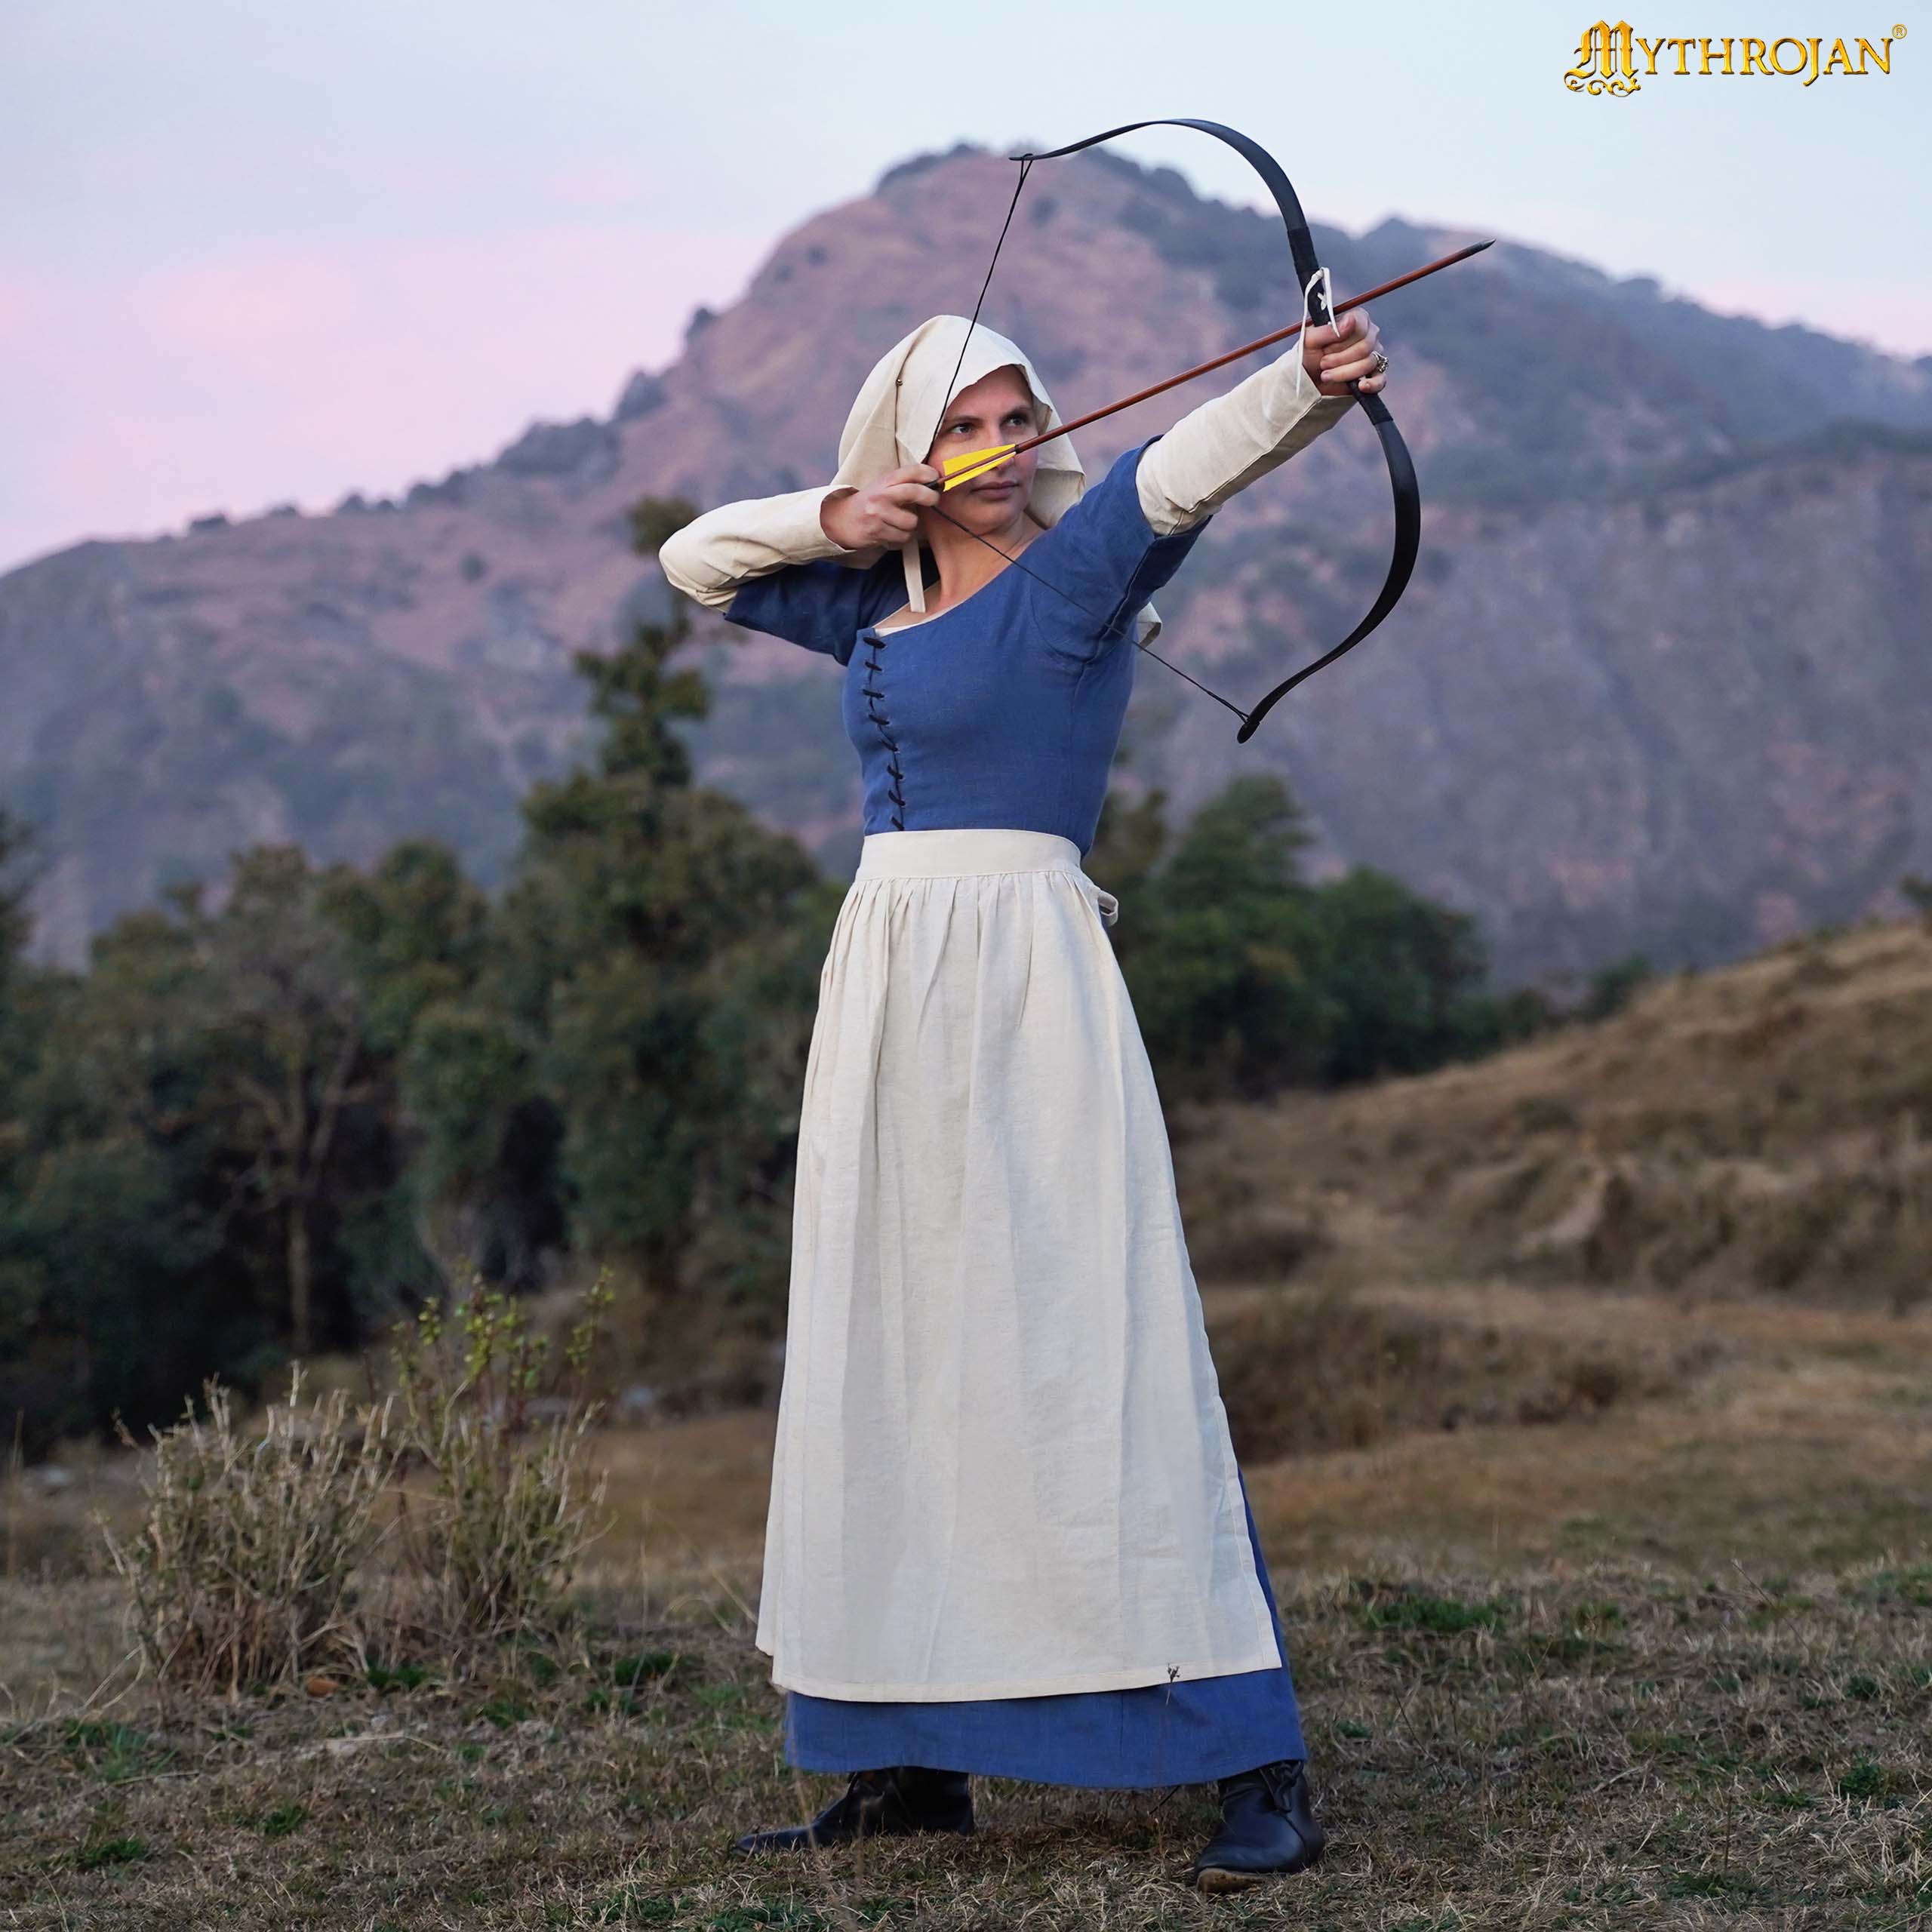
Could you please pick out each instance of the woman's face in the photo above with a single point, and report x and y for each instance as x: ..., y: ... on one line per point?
x: 997, y: 409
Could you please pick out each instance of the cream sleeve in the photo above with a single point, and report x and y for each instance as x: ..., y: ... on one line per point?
x: 716, y: 552
x: 1225, y: 444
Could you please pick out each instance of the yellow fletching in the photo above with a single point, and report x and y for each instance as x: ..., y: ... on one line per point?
x: 974, y: 463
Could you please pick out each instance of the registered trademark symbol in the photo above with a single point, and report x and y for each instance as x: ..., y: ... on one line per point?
x: 1898, y: 33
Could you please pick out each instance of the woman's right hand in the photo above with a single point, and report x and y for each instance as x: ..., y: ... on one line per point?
x: 884, y: 513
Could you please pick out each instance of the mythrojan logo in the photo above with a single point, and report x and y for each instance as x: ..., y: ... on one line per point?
x: 1609, y: 58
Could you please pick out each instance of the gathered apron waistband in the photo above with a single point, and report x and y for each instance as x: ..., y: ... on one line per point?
x: 966, y: 851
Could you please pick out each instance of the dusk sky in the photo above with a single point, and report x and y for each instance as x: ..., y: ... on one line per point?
x: 253, y: 254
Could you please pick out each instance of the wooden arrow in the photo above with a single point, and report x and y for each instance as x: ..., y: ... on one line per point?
x: 964, y: 468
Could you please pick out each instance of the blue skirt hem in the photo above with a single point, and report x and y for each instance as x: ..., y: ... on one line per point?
x: 1145, y: 1738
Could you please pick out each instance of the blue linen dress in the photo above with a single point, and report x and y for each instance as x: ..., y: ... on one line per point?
x: 1005, y: 711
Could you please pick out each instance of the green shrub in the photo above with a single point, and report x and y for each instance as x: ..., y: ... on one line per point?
x: 503, y: 1506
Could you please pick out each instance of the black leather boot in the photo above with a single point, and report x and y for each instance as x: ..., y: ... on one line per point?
x: 898, y: 1799
x: 1268, y: 1827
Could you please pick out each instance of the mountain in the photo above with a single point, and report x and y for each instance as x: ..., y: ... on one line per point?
x: 1660, y: 682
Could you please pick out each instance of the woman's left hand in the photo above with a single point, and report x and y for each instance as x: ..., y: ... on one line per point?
x: 1337, y: 354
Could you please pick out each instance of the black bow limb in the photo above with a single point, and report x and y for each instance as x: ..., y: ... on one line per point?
x: 1313, y: 283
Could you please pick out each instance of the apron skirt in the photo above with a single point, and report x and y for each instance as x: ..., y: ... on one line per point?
x: 1002, y: 1468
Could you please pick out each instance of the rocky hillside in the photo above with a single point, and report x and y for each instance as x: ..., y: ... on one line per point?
x: 1762, y: 1130
x: 1660, y: 682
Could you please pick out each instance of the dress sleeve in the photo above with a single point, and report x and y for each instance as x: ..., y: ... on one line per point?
x: 822, y: 605
x: 1231, y: 440
x: 767, y: 563
x: 1103, y: 561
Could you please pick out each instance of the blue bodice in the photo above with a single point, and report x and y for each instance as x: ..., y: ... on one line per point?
x: 1006, y: 709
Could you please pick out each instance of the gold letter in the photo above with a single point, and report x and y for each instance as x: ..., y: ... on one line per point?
x: 1649, y: 47
x: 1777, y: 67
x: 1753, y: 57
x: 1594, y: 39
x: 1609, y: 46
x: 1813, y: 74
x: 1838, y: 60
x: 1867, y: 51
x: 1705, y: 44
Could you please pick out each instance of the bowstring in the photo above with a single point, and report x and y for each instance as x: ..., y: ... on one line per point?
x: 1012, y: 207
x: 945, y: 400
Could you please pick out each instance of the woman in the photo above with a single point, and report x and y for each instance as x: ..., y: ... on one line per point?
x: 1007, y: 1533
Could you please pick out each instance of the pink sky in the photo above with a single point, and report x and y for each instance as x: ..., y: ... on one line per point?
x: 299, y: 375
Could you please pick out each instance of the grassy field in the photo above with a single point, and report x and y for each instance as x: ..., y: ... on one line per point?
x: 1668, y: 1665
x: 1605, y: 1558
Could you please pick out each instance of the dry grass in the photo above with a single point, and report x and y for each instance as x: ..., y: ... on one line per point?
x: 1668, y: 1663
x: 1767, y: 1129
x: 446, y: 1521
x: 1610, y: 1748
x: 243, y: 1566
x: 1803, y: 1438
x: 1304, y: 1370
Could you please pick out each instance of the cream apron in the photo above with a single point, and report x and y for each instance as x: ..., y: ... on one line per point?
x: 1002, y: 1467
